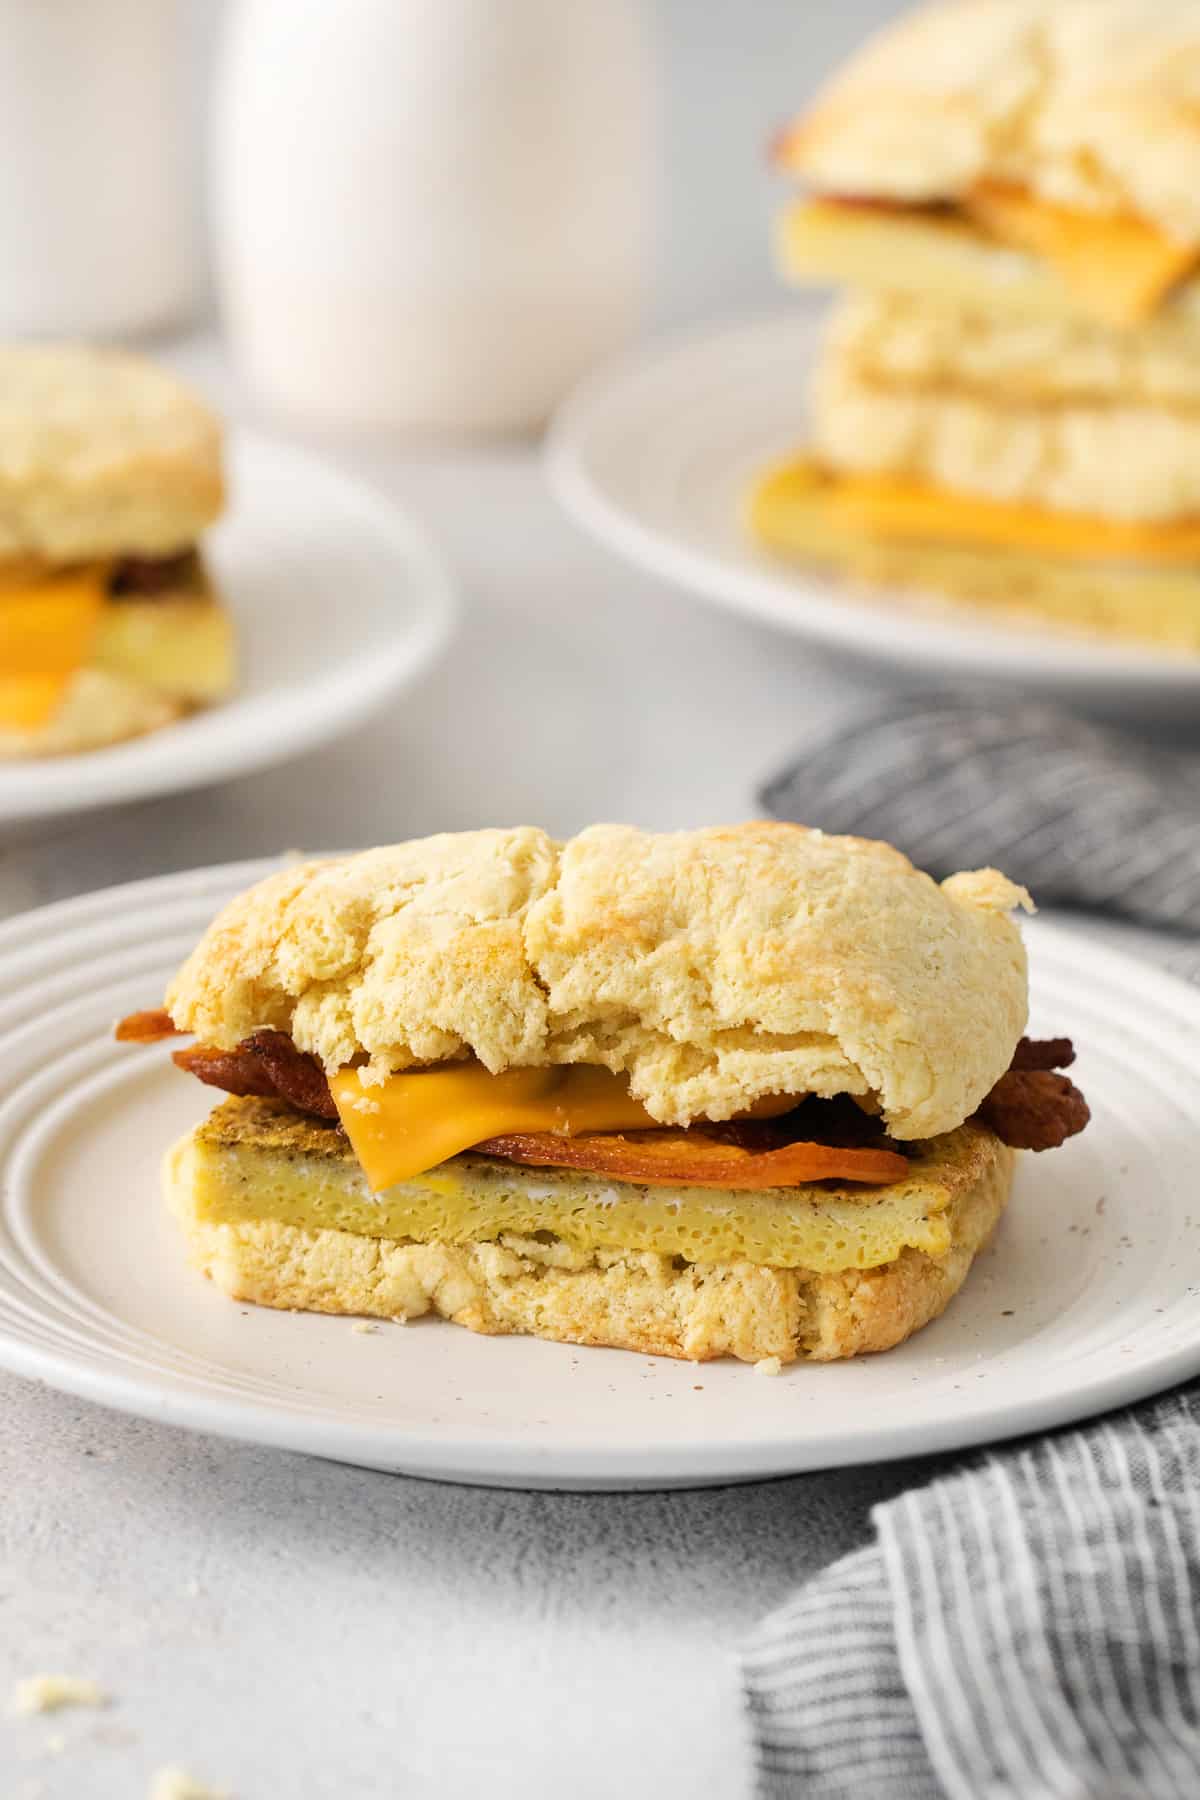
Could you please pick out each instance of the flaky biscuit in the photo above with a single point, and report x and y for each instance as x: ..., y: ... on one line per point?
x: 1088, y: 103
x: 905, y: 341
x: 101, y: 454
x: 712, y: 967
x: 963, y: 408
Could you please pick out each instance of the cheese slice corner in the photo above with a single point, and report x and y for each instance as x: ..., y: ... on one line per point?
x: 1120, y: 268
x: 27, y: 702
x: 899, y: 509
x: 411, y: 1122
x: 47, y: 628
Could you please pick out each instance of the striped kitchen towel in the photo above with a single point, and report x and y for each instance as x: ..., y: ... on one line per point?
x: 1082, y: 815
x: 1025, y: 1629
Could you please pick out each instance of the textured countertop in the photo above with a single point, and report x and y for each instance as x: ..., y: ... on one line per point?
x: 286, y: 1627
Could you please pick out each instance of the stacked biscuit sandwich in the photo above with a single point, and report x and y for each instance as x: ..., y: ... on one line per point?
x: 750, y: 1091
x: 109, y: 625
x: 1007, y: 411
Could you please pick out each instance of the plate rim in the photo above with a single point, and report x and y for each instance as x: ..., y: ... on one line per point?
x: 635, y: 1463
x: 807, y: 607
x: 44, y: 788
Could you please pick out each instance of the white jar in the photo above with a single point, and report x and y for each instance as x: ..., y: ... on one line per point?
x: 430, y: 214
x: 96, y: 228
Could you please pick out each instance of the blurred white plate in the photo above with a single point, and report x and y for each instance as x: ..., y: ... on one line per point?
x: 339, y: 602
x: 653, y: 455
x: 1087, y: 1298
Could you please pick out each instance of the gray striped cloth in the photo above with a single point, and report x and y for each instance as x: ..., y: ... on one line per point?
x: 1027, y: 1627
x: 1082, y: 815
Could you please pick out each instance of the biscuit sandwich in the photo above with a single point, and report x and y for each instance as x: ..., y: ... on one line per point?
x: 750, y: 1091
x: 1007, y: 409
x: 110, y: 470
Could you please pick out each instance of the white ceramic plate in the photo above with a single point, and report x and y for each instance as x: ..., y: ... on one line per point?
x: 654, y: 455
x: 339, y: 602
x: 1086, y: 1299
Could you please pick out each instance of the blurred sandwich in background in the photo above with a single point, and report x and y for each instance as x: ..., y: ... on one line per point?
x: 109, y: 624
x: 1007, y: 408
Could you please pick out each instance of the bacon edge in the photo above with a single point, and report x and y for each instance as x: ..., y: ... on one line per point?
x: 1031, y: 1107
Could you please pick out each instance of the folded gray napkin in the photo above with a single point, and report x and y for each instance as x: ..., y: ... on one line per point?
x: 1026, y: 1629
x: 1082, y: 815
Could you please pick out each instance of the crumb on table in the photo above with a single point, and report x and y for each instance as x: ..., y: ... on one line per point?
x: 47, y: 1693
x: 175, y: 1783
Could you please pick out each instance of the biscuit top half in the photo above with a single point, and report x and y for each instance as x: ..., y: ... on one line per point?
x: 1092, y: 105
x: 712, y: 968
x: 101, y: 454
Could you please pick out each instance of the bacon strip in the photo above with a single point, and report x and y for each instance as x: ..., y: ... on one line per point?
x: 267, y: 1064
x: 1043, y: 1053
x: 692, y: 1158
x: 148, y: 576
x: 1030, y: 1108
x: 1035, y: 1109
x: 146, y: 1027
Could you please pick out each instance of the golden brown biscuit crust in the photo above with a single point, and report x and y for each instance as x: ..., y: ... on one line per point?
x: 1085, y: 102
x: 101, y: 454
x: 713, y: 967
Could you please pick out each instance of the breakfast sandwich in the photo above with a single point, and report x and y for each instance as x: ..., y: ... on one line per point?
x: 751, y: 1091
x: 1007, y: 407
x: 110, y: 469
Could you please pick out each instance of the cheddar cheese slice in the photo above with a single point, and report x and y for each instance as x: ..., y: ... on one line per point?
x: 901, y: 510
x: 413, y: 1122
x: 1120, y: 269
x: 47, y: 629
x: 27, y: 701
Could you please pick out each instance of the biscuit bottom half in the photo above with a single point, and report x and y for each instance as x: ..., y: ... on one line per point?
x: 153, y: 661
x: 275, y: 1209
x: 786, y: 512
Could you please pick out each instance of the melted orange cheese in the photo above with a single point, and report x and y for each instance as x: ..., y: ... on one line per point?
x: 1120, y: 268
x: 46, y: 632
x: 888, y: 506
x: 412, y: 1122
x: 27, y: 701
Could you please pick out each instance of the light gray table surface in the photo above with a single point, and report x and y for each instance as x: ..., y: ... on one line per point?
x: 286, y: 1627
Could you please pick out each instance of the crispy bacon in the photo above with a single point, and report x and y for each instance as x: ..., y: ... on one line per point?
x: 1043, y: 1053
x: 233, y: 1071
x: 1032, y: 1107
x: 146, y: 577
x: 267, y: 1064
x: 1035, y: 1109
x: 146, y: 1027
x: 695, y: 1158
